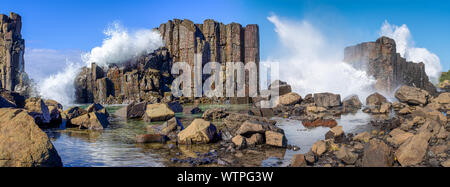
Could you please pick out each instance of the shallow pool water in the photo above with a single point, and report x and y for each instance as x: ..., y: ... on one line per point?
x: 115, y: 145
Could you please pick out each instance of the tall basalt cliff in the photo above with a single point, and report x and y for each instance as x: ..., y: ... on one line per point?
x: 12, y: 48
x: 381, y: 60
x: 149, y: 78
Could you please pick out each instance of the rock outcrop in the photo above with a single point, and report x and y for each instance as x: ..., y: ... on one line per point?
x: 148, y: 78
x: 381, y: 60
x: 23, y: 143
x: 12, y: 48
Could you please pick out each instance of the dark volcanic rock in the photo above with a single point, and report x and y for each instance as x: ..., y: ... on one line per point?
x: 381, y: 60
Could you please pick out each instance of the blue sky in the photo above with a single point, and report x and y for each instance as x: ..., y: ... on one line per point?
x: 69, y: 25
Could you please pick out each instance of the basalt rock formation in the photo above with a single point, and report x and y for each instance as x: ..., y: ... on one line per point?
x: 381, y: 60
x: 144, y: 79
x: 12, y: 48
x: 148, y: 78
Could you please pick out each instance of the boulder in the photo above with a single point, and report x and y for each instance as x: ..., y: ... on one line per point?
x: 74, y: 112
x: 158, y: 112
x: 23, y: 143
x: 298, y: 161
x: 97, y: 108
x: 91, y: 121
x: 375, y: 99
x: 136, y: 110
x: 151, y: 138
x: 198, y: 132
x: 377, y: 154
x: 399, y: 136
x: 255, y: 139
x: 412, y: 95
x: 413, y: 151
x: 55, y: 110
x: 282, y: 87
x: 347, y: 156
x: 319, y: 148
x: 363, y: 137
x: 337, y: 134
x: 327, y: 100
x: 172, y: 125
x: 239, y: 141
x: 276, y: 139
x: 249, y: 127
x: 290, y: 99
x: 37, y: 108
x: 351, y: 103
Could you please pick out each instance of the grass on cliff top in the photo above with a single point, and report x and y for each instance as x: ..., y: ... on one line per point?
x: 445, y: 76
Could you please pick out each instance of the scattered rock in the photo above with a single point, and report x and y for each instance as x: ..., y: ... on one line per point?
x: 351, y: 103
x: 249, y: 127
x: 362, y: 137
x: 37, y: 108
x: 298, y: 161
x: 276, y: 139
x: 413, y: 150
x: 23, y: 143
x: 327, y: 100
x: 375, y: 99
x: 377, y: 154
x: 158, y: 112
x: 215, y: 113
x: 319, y: 148
x: 74, y: 112
x: 290, y: 99
x: 136, y: 110
x: 282, y: 87
x: 398, y: 137
x: 255, y: 139
x: 91, y: 121
x: 412, y: 95
x: 151, y: 138
x: 240, y: 142
x: 346, y: 155
x: 199, y: 131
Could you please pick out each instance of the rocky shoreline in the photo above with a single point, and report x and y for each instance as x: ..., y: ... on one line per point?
x: 412, y: 131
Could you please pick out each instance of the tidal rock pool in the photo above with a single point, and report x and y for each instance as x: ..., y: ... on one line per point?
x: 115, y: 146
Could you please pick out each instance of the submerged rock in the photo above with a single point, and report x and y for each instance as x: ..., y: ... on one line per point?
x: 151, y: 138
x: 23, y: 143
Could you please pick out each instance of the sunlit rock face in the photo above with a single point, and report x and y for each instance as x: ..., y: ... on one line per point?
x: 148, y: 78
x: 12, y: 47
x: 381, y: 60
